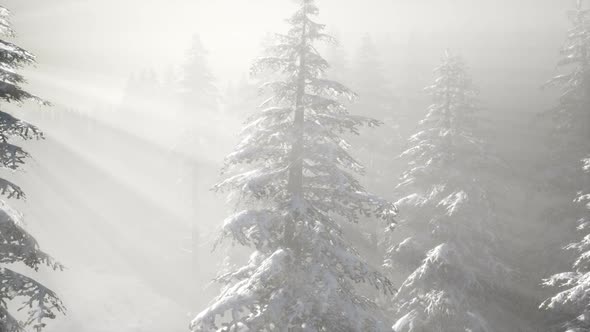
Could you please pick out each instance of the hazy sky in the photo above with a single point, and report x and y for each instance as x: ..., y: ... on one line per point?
x: 87, y: 48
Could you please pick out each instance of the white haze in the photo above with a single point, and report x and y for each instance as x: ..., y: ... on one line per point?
x: 112, y: 210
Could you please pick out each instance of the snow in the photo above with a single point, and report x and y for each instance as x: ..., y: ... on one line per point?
x: 303, y: 272
x: 445, y: 204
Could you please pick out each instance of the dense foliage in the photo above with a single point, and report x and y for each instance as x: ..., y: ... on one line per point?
x: 16, y: 244
x: 292, y: 176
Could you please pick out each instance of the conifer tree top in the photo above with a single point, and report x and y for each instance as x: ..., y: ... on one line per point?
x: 575, y: 81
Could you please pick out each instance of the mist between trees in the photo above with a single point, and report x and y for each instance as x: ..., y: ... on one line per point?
x: 368, y: 186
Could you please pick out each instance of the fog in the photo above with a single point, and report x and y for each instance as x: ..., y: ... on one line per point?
x: 90, y: 47
x: 119, y: 189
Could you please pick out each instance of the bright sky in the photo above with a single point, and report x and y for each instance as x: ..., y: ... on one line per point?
x: 87, y: 48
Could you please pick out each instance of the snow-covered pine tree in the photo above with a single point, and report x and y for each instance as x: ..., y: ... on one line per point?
x: 447, y: 214
x: 576, y: 84
x: 197, y: 88
x: 17, y: 246
x: 294, y: 180
x: 573, y: 118
x: 573, y: 301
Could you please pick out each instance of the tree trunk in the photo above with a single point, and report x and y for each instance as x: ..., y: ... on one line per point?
x: 295, y: 185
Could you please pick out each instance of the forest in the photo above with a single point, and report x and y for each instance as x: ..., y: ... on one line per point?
x: 295, y: 165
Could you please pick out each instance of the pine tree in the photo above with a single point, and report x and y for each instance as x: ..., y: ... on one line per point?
x: 573, y: 302
x: 576, y: 83
x: 16, y: 244
x: 294, y: 182
x: 573, y: 122
x: 197, y: 88
x: 448, y: 214
x: 571, y: 117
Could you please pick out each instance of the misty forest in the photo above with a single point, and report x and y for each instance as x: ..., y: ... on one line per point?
x: 295, y: 165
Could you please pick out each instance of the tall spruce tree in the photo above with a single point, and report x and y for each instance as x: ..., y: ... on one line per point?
x: 572, y: 116
x: 293, y: 178
x: 17, y: 246
x: 447, y: 214
x: 573, y: 301
x: 573, y: 102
